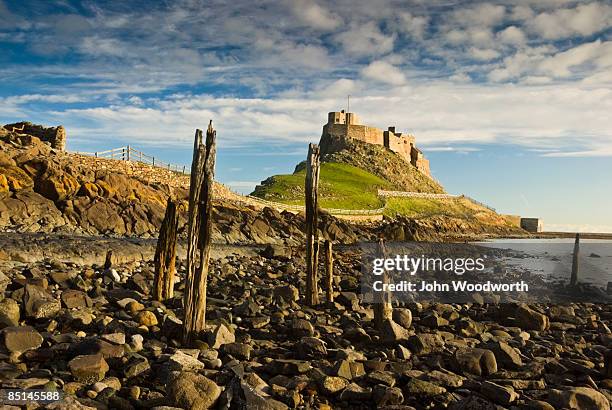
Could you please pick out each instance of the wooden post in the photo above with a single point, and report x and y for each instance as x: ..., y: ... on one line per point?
x: 574, y: 278
x: 329, y: 267
x: 382, y: 307
x: 108, y: 261
x: 312, y: 233
x: 128, y: 152
x: 199, y: 234
x: 165, y: 254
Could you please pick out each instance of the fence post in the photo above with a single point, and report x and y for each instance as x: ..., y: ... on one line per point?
x: 153, y: 161
x: 128, y: 152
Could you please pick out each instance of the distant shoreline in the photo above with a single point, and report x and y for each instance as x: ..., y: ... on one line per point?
x: 583, y: 235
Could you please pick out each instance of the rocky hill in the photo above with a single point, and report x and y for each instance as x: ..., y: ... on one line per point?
x: 48, y: 190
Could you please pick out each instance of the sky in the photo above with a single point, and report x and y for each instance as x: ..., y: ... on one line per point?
x: 510, y: 100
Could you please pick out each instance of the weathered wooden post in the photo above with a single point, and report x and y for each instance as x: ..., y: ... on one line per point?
x: 312, y: 233
x: 329, y: 268
x: 382, y: 307
x: 199, y: 234
x: 108, y: 261
x: 165, y: 254
x: 574, y: 278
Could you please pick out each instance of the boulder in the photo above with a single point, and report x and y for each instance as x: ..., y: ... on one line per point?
x: 480, y: 362
x: 9, y: 313
x: 21, y: 338
x: 578, y: 398
x: 39, y: 304
x: 193, y: 391
x: 529, y: 319
x: 88, y: 368
x: 220, y: 336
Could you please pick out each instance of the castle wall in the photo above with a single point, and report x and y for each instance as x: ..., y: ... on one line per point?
x: 363, y: 133
x: 346, y: 125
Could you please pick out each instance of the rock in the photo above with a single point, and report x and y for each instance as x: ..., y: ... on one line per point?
x: 220, y: 336
x: 288, y: 366
x: 331, y: 385
x: 506, y: 355
x: 39, y: 304
x: 136, y: 366
x: 311, y: 348
x: 9, y: 313
x: 422, y: 388
x: 354, y: 392
x: 288, y: 293
x: 480, y: 362
x: 301, y: 328
x: 578, y: 398
x: 529, y: 319
x: 387, y: 396
x: 402, y: 317
x: 349, y: 370
x: 503, y: 395
x: 146, y: 318
x: 240, y: 351
x: 425, y: 343
x: 68, y: 403
x: 183, y: 362
x: 75, y: 298
x: 279, y: 252
x: 21, y: 338
x: 391, y: 332
x: 88, y: 368
x: 193, y: 391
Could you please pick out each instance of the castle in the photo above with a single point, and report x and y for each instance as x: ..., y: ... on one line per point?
x: 346, y: 125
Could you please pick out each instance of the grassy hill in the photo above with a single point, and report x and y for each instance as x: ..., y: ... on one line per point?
x: 340, y: 186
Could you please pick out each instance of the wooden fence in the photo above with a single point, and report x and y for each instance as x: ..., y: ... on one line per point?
x: 127, y: 153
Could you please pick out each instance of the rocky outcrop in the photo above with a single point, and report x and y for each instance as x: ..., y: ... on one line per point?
x: 44, y: 190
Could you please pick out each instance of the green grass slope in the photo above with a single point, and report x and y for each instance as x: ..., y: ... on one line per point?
x: 340, y: 186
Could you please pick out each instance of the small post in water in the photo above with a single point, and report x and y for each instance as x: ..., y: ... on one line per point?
x: 574, y: 278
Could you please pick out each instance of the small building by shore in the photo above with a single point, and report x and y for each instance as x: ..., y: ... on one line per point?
x: 534, y: 225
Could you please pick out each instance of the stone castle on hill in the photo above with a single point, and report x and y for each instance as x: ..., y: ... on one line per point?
x: 345, y: 125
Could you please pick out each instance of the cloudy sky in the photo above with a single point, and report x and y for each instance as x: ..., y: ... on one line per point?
x: 510, y: 100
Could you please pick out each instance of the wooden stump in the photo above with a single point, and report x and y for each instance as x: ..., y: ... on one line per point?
x: 329, y: 268
x: 312, y: 233
x: 108, y: 261
x: 382, y: 307
x: 199, y: 234
x: 165, y: 254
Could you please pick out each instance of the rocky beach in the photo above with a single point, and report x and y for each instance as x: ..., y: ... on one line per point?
x: 78, y: 316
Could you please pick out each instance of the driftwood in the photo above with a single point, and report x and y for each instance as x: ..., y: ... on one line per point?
x: 165, y: 254
x: 329, y: 268
x: 382, y: 304
x: 312, y: 234
x: 199, y: 234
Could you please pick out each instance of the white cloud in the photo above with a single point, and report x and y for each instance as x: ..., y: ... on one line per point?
x: 483, y: 54
x: 582, y: 20
x: 315, y: 16
x: 365, y: 40
x: 413, y: 25
x: 384, y: 72
x: 512, y: 35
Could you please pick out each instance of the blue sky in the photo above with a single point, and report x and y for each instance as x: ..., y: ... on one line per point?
x: 510, y: 100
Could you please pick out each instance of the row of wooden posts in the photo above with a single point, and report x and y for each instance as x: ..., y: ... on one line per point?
x: 199, y: 240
